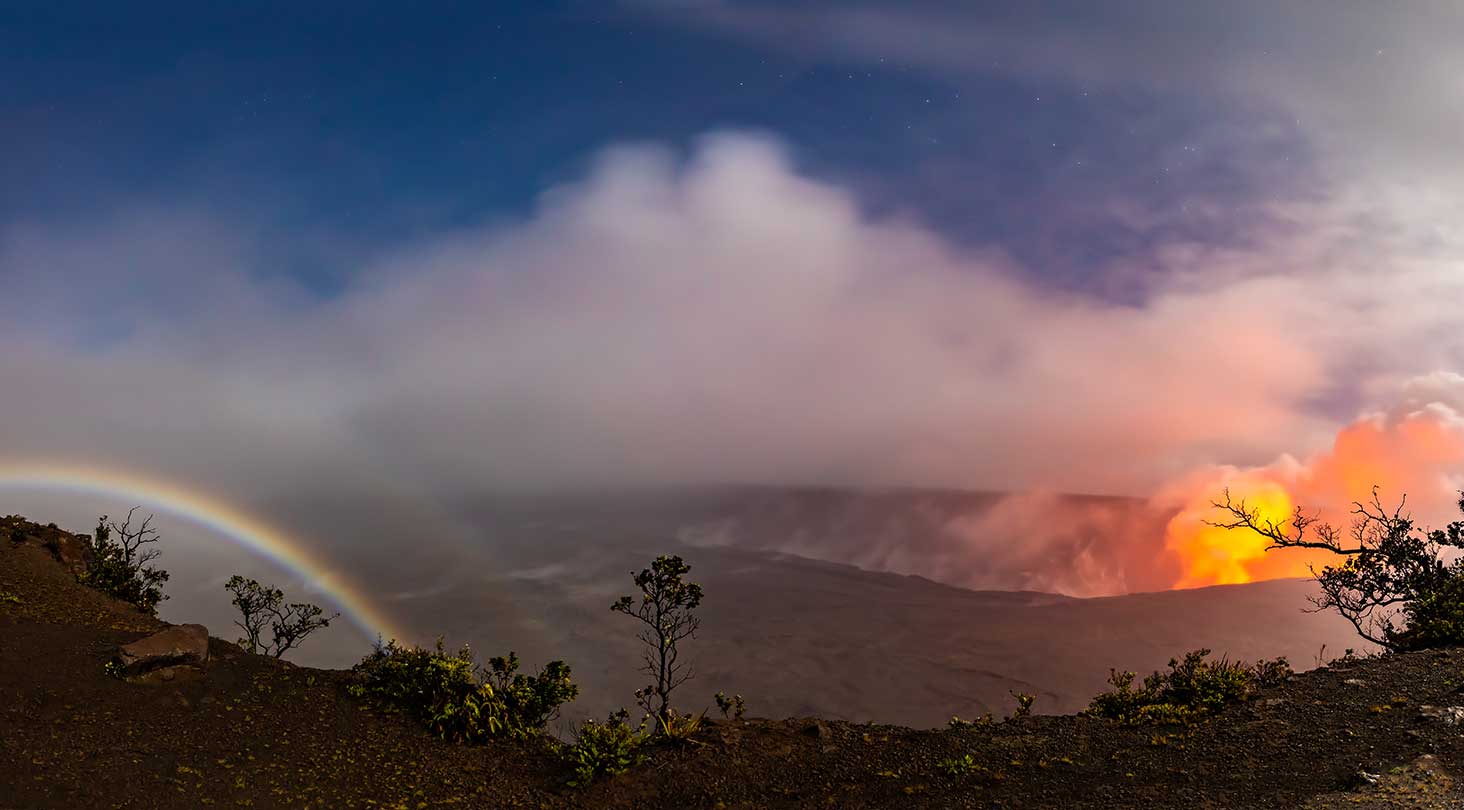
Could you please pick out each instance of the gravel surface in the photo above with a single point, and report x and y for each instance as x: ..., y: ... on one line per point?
x: 253, y: 732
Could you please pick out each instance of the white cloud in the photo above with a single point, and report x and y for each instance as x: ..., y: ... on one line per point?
x: 721, y: 318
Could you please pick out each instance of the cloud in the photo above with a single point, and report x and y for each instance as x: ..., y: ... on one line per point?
x: 1373, y: 88
x: 666, y: 319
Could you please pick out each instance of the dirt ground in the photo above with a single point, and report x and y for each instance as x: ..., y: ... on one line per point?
x: 254, y: 732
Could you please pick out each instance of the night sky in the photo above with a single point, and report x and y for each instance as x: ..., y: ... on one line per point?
x: 380, y: 124
x: 472, y: 246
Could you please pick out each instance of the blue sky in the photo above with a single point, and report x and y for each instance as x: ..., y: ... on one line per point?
x: 380, y: 122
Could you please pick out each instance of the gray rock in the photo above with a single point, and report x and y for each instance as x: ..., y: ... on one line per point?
x: 178, y: 650
x: 1451, y: 715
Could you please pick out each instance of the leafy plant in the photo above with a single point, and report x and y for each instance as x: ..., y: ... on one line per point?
x: 1024, y: 704
x: 665, y: 609
x: 678, y: 728
x: 964, y: 765
x: 1192, y: 688
x: 606, y: 749
x: 733, y: 706
x: 261, y: 605
x: 117, y: 562
x: 457, y: 701
x: 533, y: 700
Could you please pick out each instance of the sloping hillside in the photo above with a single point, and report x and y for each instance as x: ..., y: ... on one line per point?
x: 254, y: 732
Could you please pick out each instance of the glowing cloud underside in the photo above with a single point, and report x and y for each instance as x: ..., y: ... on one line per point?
x: 208, y: 513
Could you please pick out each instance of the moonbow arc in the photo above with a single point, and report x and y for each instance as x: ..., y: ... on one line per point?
x: 209, y: 513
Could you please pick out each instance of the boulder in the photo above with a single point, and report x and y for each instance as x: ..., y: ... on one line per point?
x: 165, y: 655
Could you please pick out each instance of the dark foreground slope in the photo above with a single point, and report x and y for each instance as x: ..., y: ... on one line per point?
x: 258, y: 733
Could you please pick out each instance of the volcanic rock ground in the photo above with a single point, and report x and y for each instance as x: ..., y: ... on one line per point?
x: 254, y: 732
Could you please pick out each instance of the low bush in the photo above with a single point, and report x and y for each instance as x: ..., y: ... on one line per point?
x: 456, y: 700
x: 606, y: 749
x: 1192, y: 688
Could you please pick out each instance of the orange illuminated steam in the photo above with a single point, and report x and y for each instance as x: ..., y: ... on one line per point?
x: 1212, y: 555
x: 1417, y: 451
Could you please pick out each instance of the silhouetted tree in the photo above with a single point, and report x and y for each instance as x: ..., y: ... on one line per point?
x: 117, y: 562
x: 1388, y: 570
x: 262, y: 606
x: 665, y: 608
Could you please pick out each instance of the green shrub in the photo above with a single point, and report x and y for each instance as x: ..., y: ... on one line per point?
x: 1435, y: 618
x: 533, y: 700
x: 606, y: 749
x: 118, y: 565
x: 1192, y: 688
x: 448, y: 693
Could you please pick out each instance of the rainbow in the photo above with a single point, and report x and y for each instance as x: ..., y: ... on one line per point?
x: 209, y: 513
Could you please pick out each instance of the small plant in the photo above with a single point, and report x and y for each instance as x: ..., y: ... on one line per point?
x: 606, y: 749
x: 665, y: 609
x: 6, y: 597
x: 1024, y: 704
x: 118, y: 565
x: 261, y: 605
x: 113, y: 669
x: 678, y: 728
x: 733, y: 706
x: 1192, y: 688
x: 447, y: 692
x: 964, y: 765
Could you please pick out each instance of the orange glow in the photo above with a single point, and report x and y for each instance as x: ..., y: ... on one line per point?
x: 1418, y: 453
x: 1212, y: 555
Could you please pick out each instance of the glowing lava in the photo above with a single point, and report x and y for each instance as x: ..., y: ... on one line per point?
x: 1212, y: 555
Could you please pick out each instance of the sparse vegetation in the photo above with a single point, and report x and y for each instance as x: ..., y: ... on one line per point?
x: 665, y: 608
x: 1024, y: 704
x: 458, y: 701
x: 981, y: 722
x: 117, y: 562
x: 732, y: 707
x: 1194, y: 687
x: 262, y: 606
x: 1401, y: 588
x: 1384, y: 712
x: 964, y: 765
